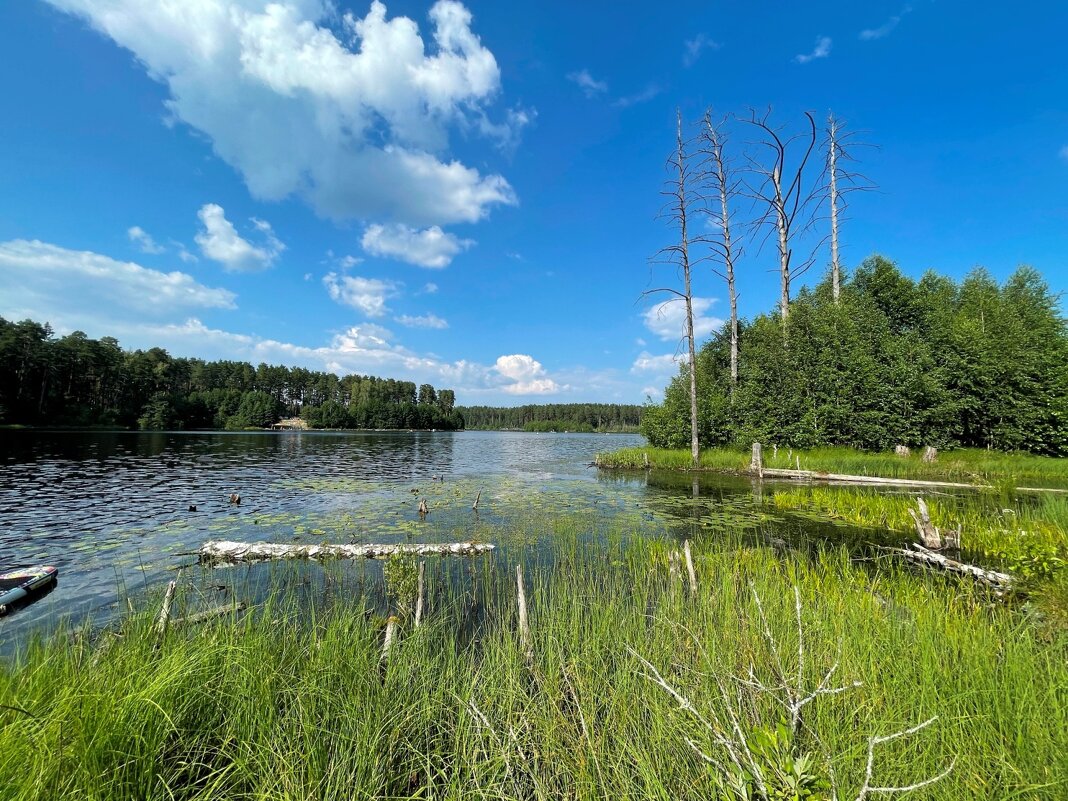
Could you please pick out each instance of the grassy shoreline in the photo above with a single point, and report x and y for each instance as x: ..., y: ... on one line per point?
x: 289, y: 702
x: 966, y: 465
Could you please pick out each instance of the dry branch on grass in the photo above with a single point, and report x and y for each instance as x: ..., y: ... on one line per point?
x: 739, y: 760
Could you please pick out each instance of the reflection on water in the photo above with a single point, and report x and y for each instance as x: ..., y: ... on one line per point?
x: 115, y: 510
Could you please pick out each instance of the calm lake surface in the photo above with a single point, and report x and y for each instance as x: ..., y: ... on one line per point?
x: 112, y: 510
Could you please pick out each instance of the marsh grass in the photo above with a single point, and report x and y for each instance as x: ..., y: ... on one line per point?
x: 1029, y: 536
x: 967, y: 465
x: 289, y: 702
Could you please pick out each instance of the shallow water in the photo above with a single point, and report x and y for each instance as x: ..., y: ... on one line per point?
x: 113, y: 510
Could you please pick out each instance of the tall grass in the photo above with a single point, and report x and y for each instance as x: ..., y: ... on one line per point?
x: 290, y: 702
x: 966, y: 465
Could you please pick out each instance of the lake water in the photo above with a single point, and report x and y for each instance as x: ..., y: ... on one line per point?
x: 114, y: 510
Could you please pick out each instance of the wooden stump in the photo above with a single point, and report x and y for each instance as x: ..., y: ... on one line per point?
x: 930, y: 454
x: 756, y: 464
x: 903, y: 451
x: 925, y: 529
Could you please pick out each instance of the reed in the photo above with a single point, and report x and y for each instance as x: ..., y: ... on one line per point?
x: 290, y: 702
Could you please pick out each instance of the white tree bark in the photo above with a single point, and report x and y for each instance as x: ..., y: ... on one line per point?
x: 225, y: 551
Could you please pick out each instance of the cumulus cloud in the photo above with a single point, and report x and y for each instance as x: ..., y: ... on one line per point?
x: 425, y: 321
x: 668, y: 319
x: 589, y: 85
x: 353, y: 114
x: 648, y: 363
x: 140, y: 237
x: 430, y: 288
x: 369, y: 295
x: 696, y: 46
x: 821, y: 50
x: 526, y: 374
x: 43, y: 281
x: 220, y: 241
x: 1064, y: 152
x: 431, y: 248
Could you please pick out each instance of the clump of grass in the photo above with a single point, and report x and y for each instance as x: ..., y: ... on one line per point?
x: 290, y: 702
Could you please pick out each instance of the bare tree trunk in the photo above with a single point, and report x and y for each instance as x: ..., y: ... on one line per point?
x: 787, y: 201
x: 724, y: 246
x: 832, y: 169
x: 684, y: 253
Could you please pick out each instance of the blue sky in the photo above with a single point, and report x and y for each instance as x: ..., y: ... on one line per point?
x: 467, y: 194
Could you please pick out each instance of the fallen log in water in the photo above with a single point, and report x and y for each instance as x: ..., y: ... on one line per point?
x: 920, y: 555
x: 225, y: 551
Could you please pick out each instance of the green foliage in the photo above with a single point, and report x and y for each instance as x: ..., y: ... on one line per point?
x: 77, y: 381
x: 895, y: 362
x: 786, y: 775
x: 401, y: 571
x: 554, y: 417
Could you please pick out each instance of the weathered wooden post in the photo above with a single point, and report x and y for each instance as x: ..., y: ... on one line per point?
x: 478, y: 497
x: 387, y: 643
x: 930, y: 454
x: 925, y: 529
x: 756, y: 464
x: 524, y: 624
x: 165, y: 611
x: 689, y: 566
x: 419, y: 595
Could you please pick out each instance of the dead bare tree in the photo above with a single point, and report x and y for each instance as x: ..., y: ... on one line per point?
x: 840, y: 181
x: 720, y: 188
x: 681, y: 197
x: 787, y: 202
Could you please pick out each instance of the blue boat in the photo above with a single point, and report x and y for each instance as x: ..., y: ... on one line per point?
x: 19, y: 584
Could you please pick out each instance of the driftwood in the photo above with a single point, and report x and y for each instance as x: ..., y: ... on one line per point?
x: 924, y: 556
x: 224, y: 551
x: 927, y: 531
x: 524, y: 624
x: 208, y: 614
x: 235, y: 498
x: 478, y: 497
x: 424, y: 510
x: 689, y: 566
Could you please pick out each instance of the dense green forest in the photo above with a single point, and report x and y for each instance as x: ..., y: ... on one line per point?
x: 895, y: 361
x: 78, y: 381
x: 554, y: 417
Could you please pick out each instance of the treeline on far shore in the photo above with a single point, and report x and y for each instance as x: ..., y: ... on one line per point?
x: 893, y: 361
x: 579, y: 417
x: 77, y: 381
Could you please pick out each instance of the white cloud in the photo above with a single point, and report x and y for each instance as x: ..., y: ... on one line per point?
x: 870, y: 34
x: 44, y: 281
x: 425, y: 321
x: 430, y: 248
x: 644, y: 96
x: 667, y: 320
x: 184, y: 254
x: 140, y: 237
x: 647, y: 363
x: 640, y: 342
x: 696, y: 46
x: 821, y: 50
x: 652, y: 392
x: 353, y: 114
x: 527, y: 375
x: 369, y: 295
x: 220, y: 241
x: 430, y: 288
x: 589, y: 85
x: 1064, y: 152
